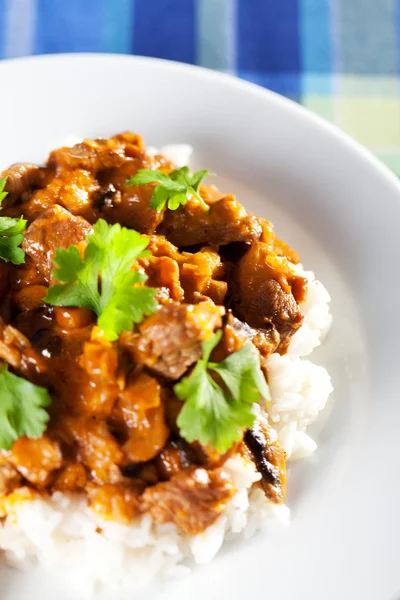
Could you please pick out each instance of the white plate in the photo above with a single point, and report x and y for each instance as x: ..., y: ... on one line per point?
x: 340, y: 209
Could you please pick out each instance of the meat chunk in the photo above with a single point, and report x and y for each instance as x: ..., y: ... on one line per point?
x: 264, y: 292
x: 55, y: 228
x: 171, y: 339
x: 21, y: 179
x: 269, y: 457
x: 36, y: 459
x: 97, y: 448
x: 176, y: 456
x: 193, y: 499
x: 226, y: 221
x: 130, y: 205
x: 237, y: 333
x: 90, y: 155
x: 76, y: 190
x: 17, y: 351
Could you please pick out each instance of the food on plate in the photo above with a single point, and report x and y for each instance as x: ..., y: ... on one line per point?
x: 152, y: 385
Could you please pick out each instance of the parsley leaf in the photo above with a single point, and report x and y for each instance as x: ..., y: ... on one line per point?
x: 173, y: 189
x: 21, y: 408
x: 117, y: 299
x: 211, y: 414
x: 11, y: 233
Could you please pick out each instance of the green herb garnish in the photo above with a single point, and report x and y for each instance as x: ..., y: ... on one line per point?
x: 214, y: 415
x: 103, y: 280
x: 3, y: 194
x: 173, y: 189
x: 11, y: 233
x: 22, y: 407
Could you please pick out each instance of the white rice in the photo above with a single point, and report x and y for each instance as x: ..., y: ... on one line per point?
x: 62, y: 532
x: 177, y: 153
x: 317, y: 318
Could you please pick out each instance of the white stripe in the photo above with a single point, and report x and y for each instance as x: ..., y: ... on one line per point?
x: 216, y: 34
x: 231, y: 29
x: 19, y: 28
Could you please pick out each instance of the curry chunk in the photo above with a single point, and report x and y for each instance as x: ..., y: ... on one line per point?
x: 163, y: 273
x: 30, y: 297
x: 115, y: 502
x: 237, y: 333
x: 22, y: 179
x: 176, y: 456
x: 139, y: 418
x: 10, y: 479
x: 130, y: 205
x: 17, y: 351
x: 97, y: 449
x: 193, y: 499
x: 226, y: 221
x: 71, y: 478
x: 36, y: 459
x: 170, y: 340
x: 202, y: 276
x: 55, y: 228
x: 264, y: 292
x: 76, y: 191
x: 90, y: 155
x: 269, y: 457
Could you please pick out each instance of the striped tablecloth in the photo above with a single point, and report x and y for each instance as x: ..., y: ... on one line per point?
x: 340, y: 58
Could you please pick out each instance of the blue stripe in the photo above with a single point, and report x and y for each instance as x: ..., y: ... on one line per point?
x: 2, y: 25
x: 288, y: 84
x: 118, y: 25
x: 68, y: 26
x: 316, y: 47
x: 165, y: 29
x: 268, y: 36
x: 19, y: 28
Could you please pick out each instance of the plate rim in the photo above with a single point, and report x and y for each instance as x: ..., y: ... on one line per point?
x: 231, y: 80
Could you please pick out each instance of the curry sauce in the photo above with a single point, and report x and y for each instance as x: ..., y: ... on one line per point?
x: 113, y: 433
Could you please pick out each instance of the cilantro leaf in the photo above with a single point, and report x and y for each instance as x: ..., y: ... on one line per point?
x: 22, y: 407
x: 118, y: 299
x: 11, y: 234
x: 241, y: 373
x: 3, y: 194
x: 173, y: 189
x: 206, y: 413
x: 212, y: 414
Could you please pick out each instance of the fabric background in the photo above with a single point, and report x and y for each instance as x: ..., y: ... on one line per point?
x: 340, y: 58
